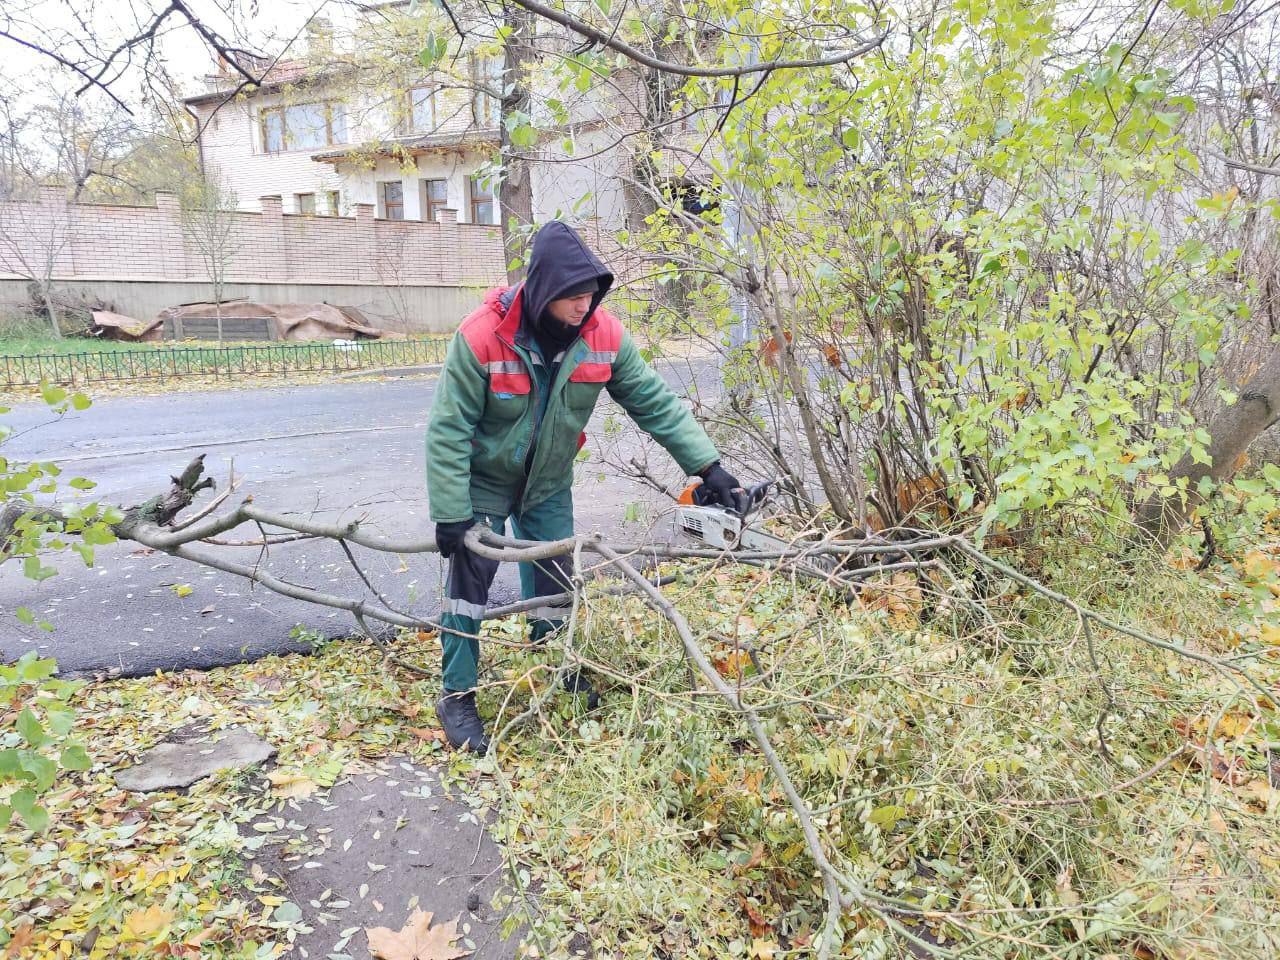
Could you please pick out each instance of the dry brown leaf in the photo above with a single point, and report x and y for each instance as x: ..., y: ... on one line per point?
x: 732, y: 664
x: 416, y: 940
x: 199, y: 938
x: 1068, y: 897
x: 1231, y: 771
x: 21, y: 939
x: 756, y: 920
x: 1261, y: 794
x: 1258, y: 565
x: 769, y: 349
x: 346, y: 728
x: 427, y: 733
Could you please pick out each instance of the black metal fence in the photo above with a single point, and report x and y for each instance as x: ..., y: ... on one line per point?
x: 166, y: 362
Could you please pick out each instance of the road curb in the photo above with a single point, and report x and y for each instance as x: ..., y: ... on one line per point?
x: 417, y: 371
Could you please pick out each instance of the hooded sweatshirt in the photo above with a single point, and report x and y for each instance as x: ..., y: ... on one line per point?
x: 559, y: 263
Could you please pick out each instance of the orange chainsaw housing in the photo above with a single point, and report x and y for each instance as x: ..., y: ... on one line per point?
x: 686, y: 495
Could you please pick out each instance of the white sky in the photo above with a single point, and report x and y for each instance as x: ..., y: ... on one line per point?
x: 259, y: 25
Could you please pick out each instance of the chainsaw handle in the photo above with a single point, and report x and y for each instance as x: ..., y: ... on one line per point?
x: 755, y: 495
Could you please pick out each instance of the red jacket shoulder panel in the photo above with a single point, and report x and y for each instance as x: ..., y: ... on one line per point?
x: 480, y: 330
x: 605, y: 334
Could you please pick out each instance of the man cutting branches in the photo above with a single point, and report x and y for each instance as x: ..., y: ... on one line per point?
x: 520, y: 381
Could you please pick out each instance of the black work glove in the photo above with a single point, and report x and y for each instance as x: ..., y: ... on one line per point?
x: 723, y: 488
x: 449, y: 535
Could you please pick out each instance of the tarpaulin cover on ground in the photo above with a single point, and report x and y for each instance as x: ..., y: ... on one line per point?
x: 116, y: 326
x: 278, y: 321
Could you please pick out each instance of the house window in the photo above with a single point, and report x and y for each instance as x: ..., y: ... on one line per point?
x: 302, y: 126
x: 486, y: 75
x: 483, y: 208
x: 335, y: 202
x: 422, y: 110
x: 391, y: 194
x: 306, y: 203
x: 435, y: 196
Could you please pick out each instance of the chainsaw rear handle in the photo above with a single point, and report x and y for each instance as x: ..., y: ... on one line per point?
x: 755, y: 495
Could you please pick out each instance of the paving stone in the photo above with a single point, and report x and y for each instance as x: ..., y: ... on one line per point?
x: 182, y: 760
x: 373, y: 847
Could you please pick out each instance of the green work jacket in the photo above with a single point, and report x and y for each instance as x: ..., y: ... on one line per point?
x: 484, y: 419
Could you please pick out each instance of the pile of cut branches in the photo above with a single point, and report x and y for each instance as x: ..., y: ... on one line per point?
x: 963, y: 760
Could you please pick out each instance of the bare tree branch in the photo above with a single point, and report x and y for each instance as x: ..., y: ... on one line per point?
x: 609, y: 40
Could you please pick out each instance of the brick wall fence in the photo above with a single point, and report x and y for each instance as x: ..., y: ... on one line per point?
x: 404, y: 275
x: 99, y: 242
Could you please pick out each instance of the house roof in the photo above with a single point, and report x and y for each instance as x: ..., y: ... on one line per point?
x: 282, y: 74
x: 425, y: 143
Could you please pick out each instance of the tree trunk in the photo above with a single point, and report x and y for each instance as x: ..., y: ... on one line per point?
x: 55, y: 321
x: 1231, y: 430
x: 515, y: 193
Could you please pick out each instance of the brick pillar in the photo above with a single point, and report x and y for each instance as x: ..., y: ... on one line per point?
x: 447, y: 269
x: 367, y: 241
x: 52, y: 232
x: 176, y: 262
x: 269, y: 254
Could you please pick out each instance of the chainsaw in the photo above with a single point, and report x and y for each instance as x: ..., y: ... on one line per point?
x: 724, y: 527
x: 727, y: 529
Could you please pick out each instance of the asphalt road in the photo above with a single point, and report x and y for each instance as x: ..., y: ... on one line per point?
x: 335, y: 451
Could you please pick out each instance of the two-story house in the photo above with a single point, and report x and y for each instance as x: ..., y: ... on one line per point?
x: 301, y: 137
x: 417, y: 146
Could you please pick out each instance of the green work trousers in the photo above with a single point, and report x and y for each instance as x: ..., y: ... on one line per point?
x: 470, y: 577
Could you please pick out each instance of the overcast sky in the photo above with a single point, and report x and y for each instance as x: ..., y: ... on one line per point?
x: 76, y: 28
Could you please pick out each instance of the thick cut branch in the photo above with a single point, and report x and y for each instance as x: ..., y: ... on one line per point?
x: 1231, y: 430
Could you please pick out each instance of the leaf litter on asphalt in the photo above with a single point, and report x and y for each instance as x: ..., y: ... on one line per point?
x: 171, y: 873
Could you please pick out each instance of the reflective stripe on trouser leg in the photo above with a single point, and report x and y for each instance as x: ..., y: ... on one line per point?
x: 466, y: 593
x: 552, y: 519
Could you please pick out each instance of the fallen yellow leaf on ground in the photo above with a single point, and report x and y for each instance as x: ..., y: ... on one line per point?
x: 416, y: 940
x: 1258, y: 565
x: 295, y: 785
x: 144, y: 924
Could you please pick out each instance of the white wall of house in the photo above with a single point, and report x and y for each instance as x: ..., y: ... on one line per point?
x: 361, y: 184
x: 585, y: 184
x: 232, y: 151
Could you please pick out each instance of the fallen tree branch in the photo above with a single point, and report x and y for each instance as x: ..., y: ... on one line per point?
x: 1082, y: 799
x: 154, y: 524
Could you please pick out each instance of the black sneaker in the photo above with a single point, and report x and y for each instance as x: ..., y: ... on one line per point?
x: 461, y: 722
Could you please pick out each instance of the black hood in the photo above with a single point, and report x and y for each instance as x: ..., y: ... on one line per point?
x: 560, y: 261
